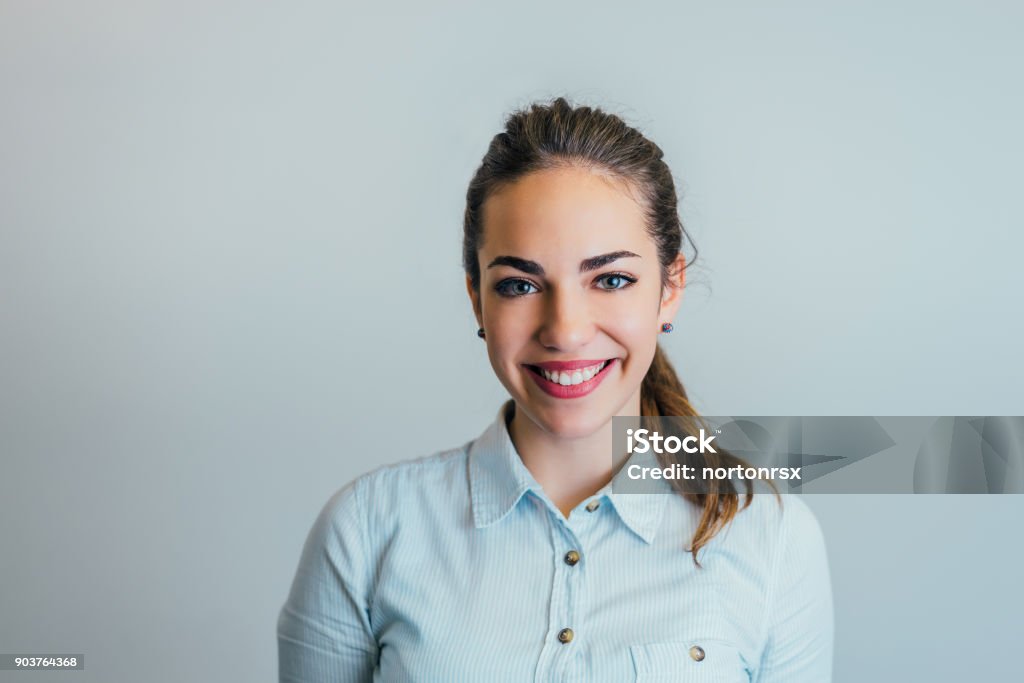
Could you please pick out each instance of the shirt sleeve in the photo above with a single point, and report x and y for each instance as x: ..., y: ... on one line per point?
x: 799, y: 618
x: 323, y: 630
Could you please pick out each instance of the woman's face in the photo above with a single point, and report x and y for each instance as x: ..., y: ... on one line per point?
x: 570, y: 283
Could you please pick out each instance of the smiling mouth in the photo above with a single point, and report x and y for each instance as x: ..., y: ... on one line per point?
x: 567, y: 378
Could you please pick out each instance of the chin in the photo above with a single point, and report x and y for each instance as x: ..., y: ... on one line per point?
x: 568, y: 422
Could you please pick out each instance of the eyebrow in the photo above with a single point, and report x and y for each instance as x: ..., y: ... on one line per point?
x: 586, y: 265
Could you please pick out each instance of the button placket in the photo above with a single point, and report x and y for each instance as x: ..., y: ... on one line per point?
x: 561, y: 653
x: 571, y: 578
x: 579, y: 527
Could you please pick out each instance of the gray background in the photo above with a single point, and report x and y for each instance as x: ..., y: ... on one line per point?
x: 230, y: 282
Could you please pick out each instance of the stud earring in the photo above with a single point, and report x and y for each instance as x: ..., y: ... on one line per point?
x: 480, y: 333
x: 666, y: 327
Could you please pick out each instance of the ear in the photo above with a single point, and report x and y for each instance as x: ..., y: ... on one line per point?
x: 672, y: 293
x: 474, y: 299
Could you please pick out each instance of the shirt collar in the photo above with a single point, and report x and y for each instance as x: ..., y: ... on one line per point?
x: 498, y: 479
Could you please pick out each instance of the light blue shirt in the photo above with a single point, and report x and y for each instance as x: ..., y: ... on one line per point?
x: 456, y: 567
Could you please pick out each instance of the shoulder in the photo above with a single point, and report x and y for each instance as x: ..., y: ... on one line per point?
x: 797, y: 619
x: 797, y: 531
x: 799, y: 554
x: 795, y: 559
x: 446, y: 467
x: 771, y: 538
x: 780, y: 521
x: 382, y: 495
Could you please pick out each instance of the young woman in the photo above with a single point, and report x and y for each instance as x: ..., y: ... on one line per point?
x: 511, y: 558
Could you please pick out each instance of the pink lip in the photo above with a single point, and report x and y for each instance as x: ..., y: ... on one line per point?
x: 572, y: 390
x: 560, y: 365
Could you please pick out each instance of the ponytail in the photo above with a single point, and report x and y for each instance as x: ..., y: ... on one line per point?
x: 662, y: 395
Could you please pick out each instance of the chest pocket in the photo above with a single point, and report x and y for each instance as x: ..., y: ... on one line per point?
x: 699, y: 660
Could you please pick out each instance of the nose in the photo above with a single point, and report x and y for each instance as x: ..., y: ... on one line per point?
x: 567, y: 323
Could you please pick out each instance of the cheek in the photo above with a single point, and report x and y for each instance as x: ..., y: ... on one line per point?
x: 639, y: 336
x: 635, y: 326
x: 508, y: 327
x: 634, y: 317
x: 509, y: 319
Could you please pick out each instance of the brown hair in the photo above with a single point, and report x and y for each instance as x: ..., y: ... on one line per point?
x: 555, y: 135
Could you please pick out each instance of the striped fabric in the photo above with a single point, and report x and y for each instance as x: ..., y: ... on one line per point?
x: 457, y: 567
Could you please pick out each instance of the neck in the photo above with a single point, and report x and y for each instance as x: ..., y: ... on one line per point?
x: 570, y: 470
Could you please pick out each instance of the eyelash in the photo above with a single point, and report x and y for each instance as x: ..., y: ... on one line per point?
x: 502, y: 287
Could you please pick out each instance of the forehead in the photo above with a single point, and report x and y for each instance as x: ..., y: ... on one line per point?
x: 572, y: 211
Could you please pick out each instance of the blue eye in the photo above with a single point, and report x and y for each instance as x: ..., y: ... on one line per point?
x: 617, y: 281
x: 513, y: 288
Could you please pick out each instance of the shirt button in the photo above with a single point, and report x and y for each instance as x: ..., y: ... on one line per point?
x: 565, y: 635
x: 571, y: 558
x: 593, y: 505
x: 697, y: 653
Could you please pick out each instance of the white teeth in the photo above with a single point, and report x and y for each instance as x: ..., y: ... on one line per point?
x: 577, y: 376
